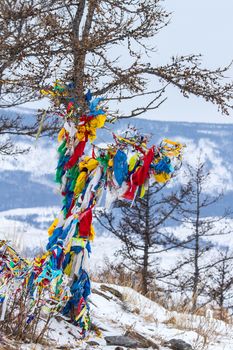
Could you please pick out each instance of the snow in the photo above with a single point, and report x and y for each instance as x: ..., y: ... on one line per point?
x: 221, y: 177
x: 44, y: 212
x: 114, y: 316
x: 212, y: 142
x: 135, y: 311
x: 138, y: 314
x: 15, y: 228
x: 21, y: 235
x: 35, y: 160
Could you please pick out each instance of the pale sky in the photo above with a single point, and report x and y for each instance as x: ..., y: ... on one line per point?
x: 197, y: 26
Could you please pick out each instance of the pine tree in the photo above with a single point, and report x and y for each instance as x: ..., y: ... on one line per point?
x: 141, y: 229
x: 192, y: 268
x: 220, y: 281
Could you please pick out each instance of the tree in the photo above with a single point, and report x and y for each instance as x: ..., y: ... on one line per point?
x: 80, y: 41
x: 220, y: 281
x: 142, y: 233
x: 25, y: 58
x: 12, y: 125
x: 191, y: 270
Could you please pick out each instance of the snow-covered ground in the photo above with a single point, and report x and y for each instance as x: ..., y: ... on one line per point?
x: 131, y: 313
x: 135, y: 313
x: 26, y: 228
x: 149, y: 319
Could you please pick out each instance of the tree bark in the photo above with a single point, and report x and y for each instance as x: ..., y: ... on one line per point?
x: 80, y: 42
x: 197, y: 249
x: 145, y: 271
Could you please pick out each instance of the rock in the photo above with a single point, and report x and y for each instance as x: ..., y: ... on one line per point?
x: 119, y: 348
x: 122, y: 340
x: 113, y: 291
x: 92, y: 343
x: 96, y: 291
x: 131, y: 340
x: 143, y: 341
x: 178, y: 344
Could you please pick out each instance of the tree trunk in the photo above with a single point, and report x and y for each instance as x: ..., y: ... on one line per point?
x: 145, y: 271
x: 196, y: 276
x: 78, y: 79
x: 80, y: 39
x: 222, y: 289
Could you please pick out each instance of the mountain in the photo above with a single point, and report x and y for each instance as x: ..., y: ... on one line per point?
x: 29, y: 203
x: 30, y: 200
x: 20, y: 189
x: 27, y: 180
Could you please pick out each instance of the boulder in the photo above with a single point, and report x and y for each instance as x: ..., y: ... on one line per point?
x: 122, y: 340
x: 92, y: 343
x: 142, y: 340
x: 131, y: 340
x: 113, y: 291
x: 178, y: 344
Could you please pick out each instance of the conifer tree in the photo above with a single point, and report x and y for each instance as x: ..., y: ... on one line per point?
x: 220, y: 281
x: 191, y: 270
x: 141, y: 229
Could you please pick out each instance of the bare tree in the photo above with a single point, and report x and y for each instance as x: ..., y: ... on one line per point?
x: 220, y: 281
x: 12, y: 125
x: 141, y: 229
x: 192, y: 269
x: 103, y: 45
x: 26, y: 53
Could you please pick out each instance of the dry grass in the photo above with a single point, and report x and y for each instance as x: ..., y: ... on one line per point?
x: 206, y: 329
x: 204, y: 322
x: 118, y: 275
x: 208, y: 310
x: 25, y: 321
x: 134, y: 304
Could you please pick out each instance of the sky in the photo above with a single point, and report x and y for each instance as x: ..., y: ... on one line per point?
x: 197, y: 26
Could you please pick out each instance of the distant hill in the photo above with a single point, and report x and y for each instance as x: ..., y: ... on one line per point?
x: 27, y: 181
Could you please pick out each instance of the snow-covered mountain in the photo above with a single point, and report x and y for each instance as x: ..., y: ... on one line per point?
x: 29, y: 199
x: 27, y: 180
x: 29, y: 203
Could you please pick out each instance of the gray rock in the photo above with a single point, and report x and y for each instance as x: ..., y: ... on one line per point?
x: 178, y: 344
x: 92, y: 343
x: 122, y: 340
x: 113, y: 291
x: 142, y: 340
x: 119, y: 348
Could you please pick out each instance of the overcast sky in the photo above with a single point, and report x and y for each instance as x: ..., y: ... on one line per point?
x: 197, y: 26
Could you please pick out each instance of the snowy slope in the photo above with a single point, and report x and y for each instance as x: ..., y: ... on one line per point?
x: 142, y: 319
x: 29, y: 204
